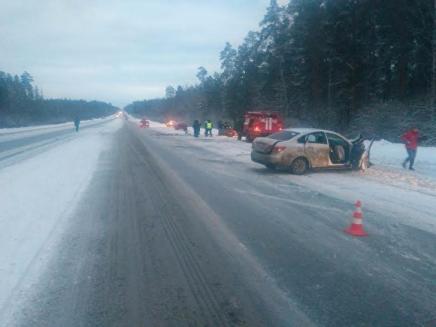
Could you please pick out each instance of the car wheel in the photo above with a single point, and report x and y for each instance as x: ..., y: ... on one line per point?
x: 299, y: 166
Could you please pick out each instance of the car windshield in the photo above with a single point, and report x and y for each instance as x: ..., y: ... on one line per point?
x: 283, y: 135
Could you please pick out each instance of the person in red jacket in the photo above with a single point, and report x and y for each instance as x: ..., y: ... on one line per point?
x: 410, y: 139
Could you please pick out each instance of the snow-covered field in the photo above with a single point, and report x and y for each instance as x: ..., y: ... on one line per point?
x: 36, y: 198
x: 409, y: 197
x: 391, y: 155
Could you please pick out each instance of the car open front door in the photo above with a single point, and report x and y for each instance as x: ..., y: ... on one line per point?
x: 340, y: 150
x: 317, y: 150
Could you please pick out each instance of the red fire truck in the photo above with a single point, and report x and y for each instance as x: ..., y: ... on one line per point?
x: 261, y: 123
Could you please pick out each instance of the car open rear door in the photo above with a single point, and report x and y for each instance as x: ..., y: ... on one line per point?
x: 317, y: 150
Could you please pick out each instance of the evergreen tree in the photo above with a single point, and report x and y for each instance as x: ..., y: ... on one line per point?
x: 328, y: 63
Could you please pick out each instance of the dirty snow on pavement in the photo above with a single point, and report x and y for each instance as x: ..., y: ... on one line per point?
x: 37, y: 196
x: 408, y: 197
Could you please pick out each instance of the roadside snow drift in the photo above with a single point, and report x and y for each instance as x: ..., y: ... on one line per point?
x: 391, y: 155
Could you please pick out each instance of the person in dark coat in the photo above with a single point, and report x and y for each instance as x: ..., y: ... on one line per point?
x: 220, y: 127
x: 196, y: 126
x: 239, y: 127
x: 77, y: 123
x: 411, y: 139
x: 205, y: 128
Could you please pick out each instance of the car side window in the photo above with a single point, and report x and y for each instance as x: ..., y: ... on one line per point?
x: 313, y: 138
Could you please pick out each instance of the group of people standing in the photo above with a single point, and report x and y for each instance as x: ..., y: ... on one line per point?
x: 208, y: 125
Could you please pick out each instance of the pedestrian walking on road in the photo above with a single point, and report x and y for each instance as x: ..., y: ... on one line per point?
x: 411, y: 139
x: 205, y: 128
x: 208, y: 128
x: 239, y: 127
x: 220, y: 127
x: 77, y: 123
x: 196, y: 126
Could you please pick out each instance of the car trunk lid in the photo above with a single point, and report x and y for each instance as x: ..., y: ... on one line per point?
x: 264, y: 144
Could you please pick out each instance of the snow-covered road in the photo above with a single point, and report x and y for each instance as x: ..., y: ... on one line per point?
x: 37, y: 195
x: 114, y: 220
x: 399, y: 215
x: 409, y: 197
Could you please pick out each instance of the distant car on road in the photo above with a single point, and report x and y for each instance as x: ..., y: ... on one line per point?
x: 144, y: 123
x: 227, y: 130
x: 170, y: 123
x: 181, y: 127
x: 301, y: 149
x: 230, y: 132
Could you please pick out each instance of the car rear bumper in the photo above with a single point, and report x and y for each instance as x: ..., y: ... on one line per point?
x: 267, y: 158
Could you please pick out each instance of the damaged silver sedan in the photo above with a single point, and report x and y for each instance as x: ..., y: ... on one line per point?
x: 301, y: 149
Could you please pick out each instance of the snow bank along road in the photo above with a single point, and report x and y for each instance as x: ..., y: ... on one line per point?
x: 37, y: 195
x: 161, y: 229
x: 17, y: 143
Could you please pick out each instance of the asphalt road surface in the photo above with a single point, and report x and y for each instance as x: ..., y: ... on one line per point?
x: 169, y: 235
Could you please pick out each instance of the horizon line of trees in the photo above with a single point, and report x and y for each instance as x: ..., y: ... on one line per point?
x: 367, y: 65
x: 22, y: 104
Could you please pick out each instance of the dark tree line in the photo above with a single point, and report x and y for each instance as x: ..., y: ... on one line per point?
x: 349, y: 65
x: 22, y: 104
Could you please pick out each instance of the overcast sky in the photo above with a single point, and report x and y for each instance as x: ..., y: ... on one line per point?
x: 119, y: 50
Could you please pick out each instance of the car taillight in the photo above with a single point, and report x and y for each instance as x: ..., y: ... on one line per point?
x: 278, y: 149
x: 257, y: 129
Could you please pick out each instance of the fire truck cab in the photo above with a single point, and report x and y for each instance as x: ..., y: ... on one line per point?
x: 261, y: 123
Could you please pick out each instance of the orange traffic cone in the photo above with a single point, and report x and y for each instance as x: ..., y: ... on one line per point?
x: 356, y: 228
